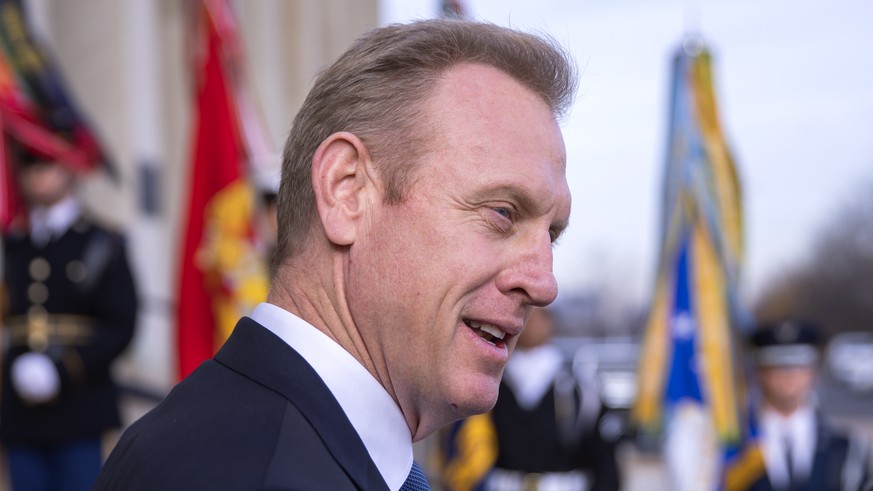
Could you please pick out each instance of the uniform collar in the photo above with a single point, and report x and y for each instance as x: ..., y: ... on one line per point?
x: 53, y: 221
x: 531, y: 372
x: 797, y: 430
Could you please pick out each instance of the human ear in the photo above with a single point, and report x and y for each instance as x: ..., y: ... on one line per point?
x: 340, y: 181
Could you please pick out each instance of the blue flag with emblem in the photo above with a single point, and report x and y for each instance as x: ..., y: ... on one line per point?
x: 682, y: 383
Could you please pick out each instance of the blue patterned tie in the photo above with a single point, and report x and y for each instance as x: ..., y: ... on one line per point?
x: 415, y: 481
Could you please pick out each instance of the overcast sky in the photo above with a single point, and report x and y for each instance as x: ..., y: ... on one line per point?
x: 794, y: 80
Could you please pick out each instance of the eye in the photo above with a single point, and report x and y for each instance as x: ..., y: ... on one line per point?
x: 504, y: 212
x: 501, y: 216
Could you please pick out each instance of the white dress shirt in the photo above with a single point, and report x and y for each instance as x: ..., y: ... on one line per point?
x: 531, y: 372
x: 778, y: 433
x: 371, y: 410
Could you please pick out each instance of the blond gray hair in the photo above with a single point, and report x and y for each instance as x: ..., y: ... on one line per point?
x: 376, y: 92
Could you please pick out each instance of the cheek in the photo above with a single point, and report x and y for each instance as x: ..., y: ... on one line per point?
x: 30, y: 182
x: 390, y: 280
x: 772, y: 383
x: 801, y: 382
x: 422, y: 255
x: 786, y: 383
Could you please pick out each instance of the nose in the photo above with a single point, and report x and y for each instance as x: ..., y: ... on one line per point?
x: 529, y: 272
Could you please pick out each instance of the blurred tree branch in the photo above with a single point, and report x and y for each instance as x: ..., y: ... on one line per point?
x: 834, y: 286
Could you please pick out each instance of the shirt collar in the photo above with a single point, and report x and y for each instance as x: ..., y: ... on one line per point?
x: 57, y: 218
x: 531, y: 372
x: 798, y: 430
x: 799, y: 420
x: 371, y: 410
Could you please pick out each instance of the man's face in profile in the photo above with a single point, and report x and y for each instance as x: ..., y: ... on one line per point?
x: 442, y: 282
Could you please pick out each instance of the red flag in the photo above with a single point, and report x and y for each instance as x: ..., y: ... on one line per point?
x: 217, y: 256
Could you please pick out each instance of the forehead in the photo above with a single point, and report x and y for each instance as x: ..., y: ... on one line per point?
x: 44, y: 168
x: 492, y: 131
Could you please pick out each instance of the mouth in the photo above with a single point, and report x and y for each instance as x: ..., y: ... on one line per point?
x: 488, y: 332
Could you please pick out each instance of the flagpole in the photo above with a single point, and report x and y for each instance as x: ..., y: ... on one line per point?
x: 38, y: 15
x: 692, y: 41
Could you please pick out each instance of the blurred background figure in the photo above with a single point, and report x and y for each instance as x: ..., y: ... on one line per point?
x: 546, y: 431
x: 69, y: 304
x: 69, y: 311
x: 800, y: 450
x: 266, y: 183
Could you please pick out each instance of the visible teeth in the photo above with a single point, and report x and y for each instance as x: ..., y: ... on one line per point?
x: 497, y: 333
x: 492, y: 330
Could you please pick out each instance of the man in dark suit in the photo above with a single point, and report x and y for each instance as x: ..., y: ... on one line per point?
x: 69, y: 311
x: 423, y: 186
x: 800, y: 450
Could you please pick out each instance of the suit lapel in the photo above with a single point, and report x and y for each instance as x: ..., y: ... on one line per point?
x: 255, y: 352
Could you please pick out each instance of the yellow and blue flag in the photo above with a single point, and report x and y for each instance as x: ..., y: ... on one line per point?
x: 468, y: 452
x: 691, y: 388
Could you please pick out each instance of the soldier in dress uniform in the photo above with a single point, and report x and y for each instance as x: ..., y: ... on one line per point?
x: 801, y: 451
x: 69, y: 310
x: 548, y: 430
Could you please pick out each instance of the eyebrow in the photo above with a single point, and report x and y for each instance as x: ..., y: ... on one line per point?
x: 525, y: 201
x: 560, y: 227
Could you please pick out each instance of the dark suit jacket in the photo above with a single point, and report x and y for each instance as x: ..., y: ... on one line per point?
x: 257, y: 416
x: 832, y: 455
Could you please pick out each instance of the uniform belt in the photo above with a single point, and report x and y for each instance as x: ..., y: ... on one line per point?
x: 508, y: 480
x: 39, y: 331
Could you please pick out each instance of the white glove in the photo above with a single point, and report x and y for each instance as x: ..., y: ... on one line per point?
x: 35, y: 377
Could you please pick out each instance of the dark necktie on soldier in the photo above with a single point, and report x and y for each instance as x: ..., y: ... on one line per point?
x: 789, y: 462
x: 416, y: 480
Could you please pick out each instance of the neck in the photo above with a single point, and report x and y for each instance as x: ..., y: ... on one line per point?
x: 313, y: 288
x: 784, y: 408
x: 300, y: 288
x: 47, y: 204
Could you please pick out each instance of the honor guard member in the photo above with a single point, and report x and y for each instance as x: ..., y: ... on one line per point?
x: 547, y: 432
x: 69, y: 311
x: 549, y: 421
x: 801, y: 451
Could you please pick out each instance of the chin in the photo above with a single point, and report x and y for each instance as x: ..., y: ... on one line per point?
x: 463, y: 399
x: 477, y: 399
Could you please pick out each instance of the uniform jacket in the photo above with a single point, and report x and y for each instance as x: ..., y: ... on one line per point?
x: 257, y: 416
x: 839, y: 464
x: 73, y: 299
x: 534, y: 441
